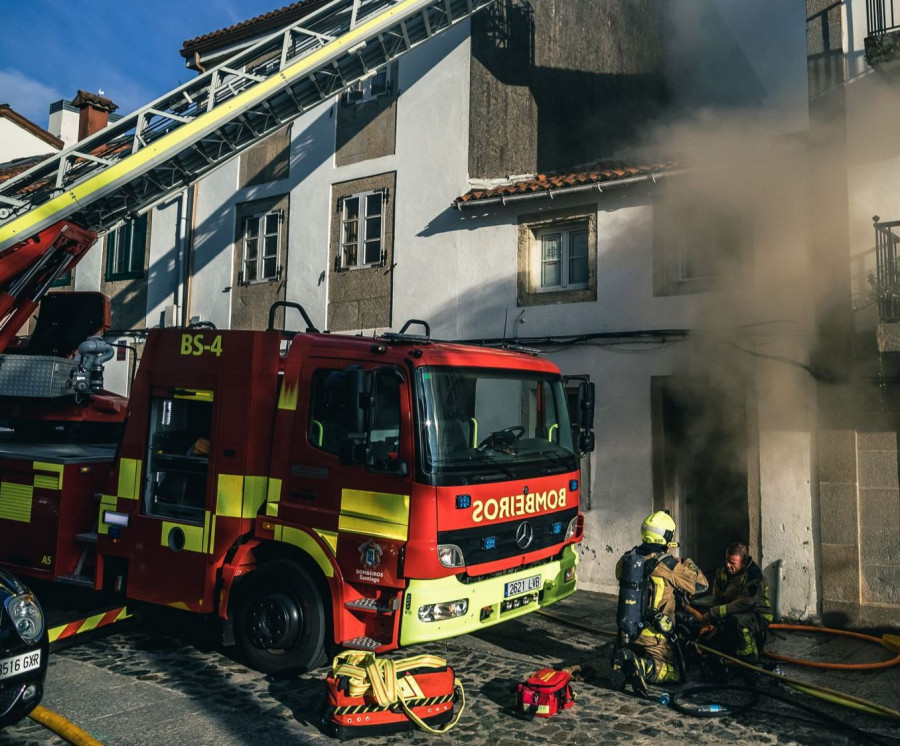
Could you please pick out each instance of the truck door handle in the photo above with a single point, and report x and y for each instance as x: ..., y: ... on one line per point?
x: 304, y: 495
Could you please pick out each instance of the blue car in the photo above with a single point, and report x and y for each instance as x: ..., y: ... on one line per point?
x: 23, y: 650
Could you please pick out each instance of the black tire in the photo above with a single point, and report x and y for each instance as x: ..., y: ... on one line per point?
x: 279, y: 619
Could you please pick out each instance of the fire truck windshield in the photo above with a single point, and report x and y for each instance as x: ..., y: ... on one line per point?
x: 492, y: 425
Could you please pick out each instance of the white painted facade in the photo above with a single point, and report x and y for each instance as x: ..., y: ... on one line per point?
x: 18, y: 142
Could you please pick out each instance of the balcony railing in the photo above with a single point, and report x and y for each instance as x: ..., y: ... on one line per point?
x: 886, y: 280
x: 883, y: 40
x: 880, y: 16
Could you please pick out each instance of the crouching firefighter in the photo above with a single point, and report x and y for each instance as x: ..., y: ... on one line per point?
x: 647, y: 649
x: 741, y: 611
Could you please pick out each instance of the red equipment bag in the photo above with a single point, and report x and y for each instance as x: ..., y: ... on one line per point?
x: 544, y: 694
x: 369, y: 696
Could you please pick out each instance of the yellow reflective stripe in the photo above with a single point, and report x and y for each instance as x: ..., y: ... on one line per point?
x: 722, y: 610
x: 125, y: 170
x: 659, y: 586
x: 329, y: 537
x: 193, y: 535
x: 54, y: 482
x: 240, y: 497
x: 194, y: 394
x: 308, y: 544
x: 287, y: 399
x: 273, y: 497
x: 256, y: 490
x: 129, y: 478
x: 374, y: 513
x: 15, y: 501
x: 229, y: 495
x: 107, y: 502
x: 209, y: 530
x: 369, y: 527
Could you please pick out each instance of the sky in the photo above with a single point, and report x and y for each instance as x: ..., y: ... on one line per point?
x: 128, y: 51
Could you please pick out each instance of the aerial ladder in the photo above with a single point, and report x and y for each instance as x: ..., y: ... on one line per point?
x: 52, y: 213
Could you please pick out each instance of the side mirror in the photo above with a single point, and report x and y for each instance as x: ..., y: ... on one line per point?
x: 586, y: 392
x: 586, y: 442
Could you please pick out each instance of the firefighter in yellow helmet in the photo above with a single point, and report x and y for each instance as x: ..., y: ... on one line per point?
x: 649, y: 577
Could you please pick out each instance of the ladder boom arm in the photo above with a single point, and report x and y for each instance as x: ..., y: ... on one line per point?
x: 159, y: 150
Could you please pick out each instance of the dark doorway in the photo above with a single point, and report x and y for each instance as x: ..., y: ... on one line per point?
x: 700, y: 465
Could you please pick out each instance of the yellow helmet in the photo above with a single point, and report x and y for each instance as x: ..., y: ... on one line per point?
x: 658, y: 528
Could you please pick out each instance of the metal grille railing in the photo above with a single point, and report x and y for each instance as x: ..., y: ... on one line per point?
x: 880, y: 16
x: 886, y: 280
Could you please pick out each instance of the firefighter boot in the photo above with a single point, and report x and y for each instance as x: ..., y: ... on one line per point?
x: 637, y: 670
x: 618, y: 679
x: 747, y: 649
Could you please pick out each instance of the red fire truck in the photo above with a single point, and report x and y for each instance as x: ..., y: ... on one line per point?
x: 306, y: 488
x: 314, y: 488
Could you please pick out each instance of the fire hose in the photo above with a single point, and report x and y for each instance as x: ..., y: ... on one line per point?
x: 815, y: 690
x: 65, y: 729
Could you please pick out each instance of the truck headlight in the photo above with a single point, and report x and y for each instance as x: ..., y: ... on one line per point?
x: 27, y: 617
x: 574, y: 525
x: 438, y: 612
x: 450, y: 555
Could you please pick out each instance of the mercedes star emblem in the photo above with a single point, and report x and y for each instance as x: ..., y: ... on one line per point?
x: 524, y: 535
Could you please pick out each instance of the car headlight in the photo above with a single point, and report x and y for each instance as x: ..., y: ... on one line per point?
x: 27, y: 617
x: 450, y: 555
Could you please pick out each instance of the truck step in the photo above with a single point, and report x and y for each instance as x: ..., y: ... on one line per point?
x: 84, y: 580
x: 89, y: 537
x: 364, y: 643
x: 372, y: 605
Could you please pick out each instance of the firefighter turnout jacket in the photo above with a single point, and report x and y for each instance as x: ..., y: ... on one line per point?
x: 741, y: 612
x: 745, y: 591
x: 668, y: 575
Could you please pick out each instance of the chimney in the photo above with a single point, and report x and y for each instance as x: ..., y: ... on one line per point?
x: 94, y: 113
x: 64, y: 121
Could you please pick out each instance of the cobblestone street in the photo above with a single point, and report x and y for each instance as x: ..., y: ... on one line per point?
x: 147, y: 686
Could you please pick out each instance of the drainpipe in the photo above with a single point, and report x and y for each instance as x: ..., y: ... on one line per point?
x: 186, y: 244
x: 779, y: 579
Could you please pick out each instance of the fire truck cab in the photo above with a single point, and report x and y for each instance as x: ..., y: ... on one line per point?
x: 314, y: 489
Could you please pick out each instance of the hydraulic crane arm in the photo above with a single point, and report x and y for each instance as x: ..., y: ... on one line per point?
x: 31, y: 268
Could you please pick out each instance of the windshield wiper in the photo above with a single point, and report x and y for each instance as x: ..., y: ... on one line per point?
x: 558, y: 458
x: 483, y: 455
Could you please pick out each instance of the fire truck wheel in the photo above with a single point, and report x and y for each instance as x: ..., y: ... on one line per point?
x: 280, y: 619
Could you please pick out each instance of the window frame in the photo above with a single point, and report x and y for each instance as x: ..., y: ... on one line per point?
x: 114, y: 246
x: 263, y: 233
x: 696, y: 249
x: 362, y: 221
x: 566, y: 222
x: 565, y: 233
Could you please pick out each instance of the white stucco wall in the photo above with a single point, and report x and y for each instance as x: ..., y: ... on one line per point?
x: 17, y: 142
